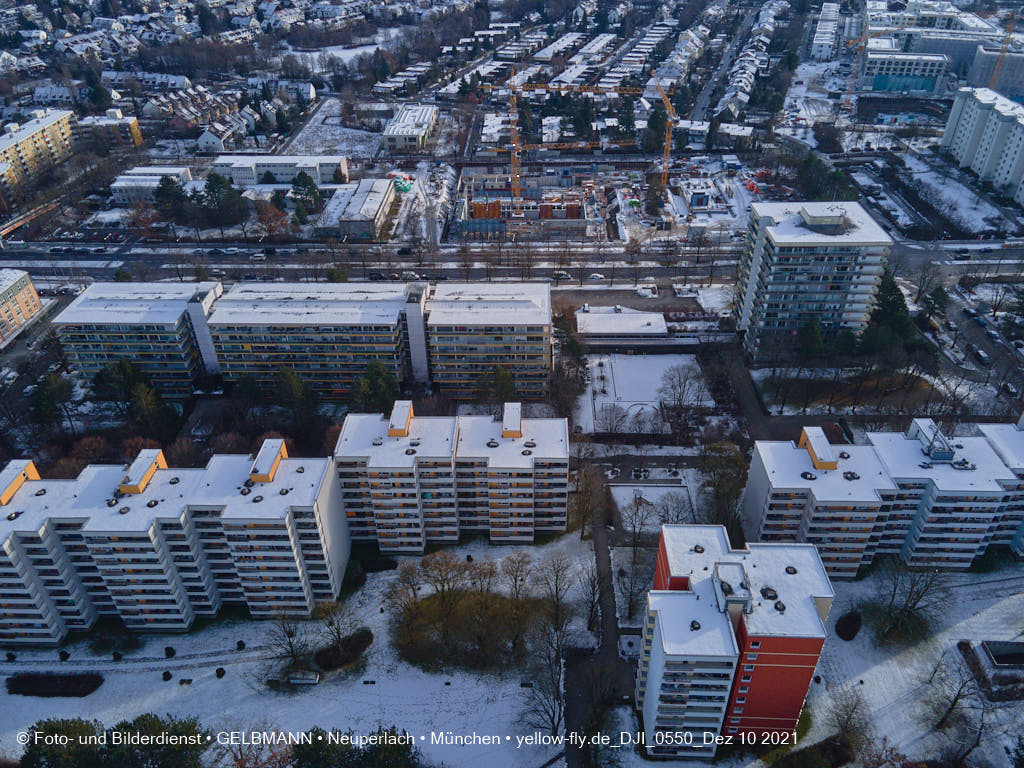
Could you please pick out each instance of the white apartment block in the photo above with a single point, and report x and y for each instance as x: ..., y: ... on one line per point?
x: 932, y: 500
x: 823, y: 44
x: 140, y: 183
x: 1011, y: 73
x: 807, y: 262
x: 985, y: 133
x: 248, y: 170
x: 410, y: 128
x: 159, y: 547
x: 408, y: 480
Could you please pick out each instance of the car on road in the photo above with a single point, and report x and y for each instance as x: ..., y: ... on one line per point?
x: 376, y: 275
x: 992, y: 333
x: 404, y: 251
x: 987, y: 250
x: 950, y: 325
x: 983, y: 357
x: 1010, y: 389
x: 215, y: 252
x: 970, y: 312
x: 961, y: 257
x: 980, y: 320
x: 595, y: 276
x: 560, y: 274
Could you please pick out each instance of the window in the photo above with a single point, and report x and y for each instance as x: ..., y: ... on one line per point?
x: 734, y: 720
x: 744, y: 689
x: 733, y: 730
x: 741, y: 700
x: 748, y: 668
x: 738, y: 711
x: 751, y: 657
x: 756, y: 644
x: 745, y: 679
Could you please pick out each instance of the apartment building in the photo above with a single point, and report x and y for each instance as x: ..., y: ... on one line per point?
x: 140, y: 183
x: 248, y: 170
x: 823, y: 44
x: 108, y: 131
x: 409, y: 480
x: 159, y: 547
x: 19, y: 302
x: 1010, y: 81
x: 730, y: 640
x: 985, y: 133
x: 160, y: 327
x: 410, y: 128
x: 807, y: 262
x: 930, y: 499
x: 32, y: 148
x: 895, y: 71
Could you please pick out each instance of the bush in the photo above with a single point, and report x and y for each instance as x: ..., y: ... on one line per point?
x: 166, y: 675
x: 48, y: 684
x: 116, y: 655
x: 220, y: 672
x: 352, y: 647
x: 240, y: 645
x: 11, y: 656
x: 831, y: 751
x: 64, y: 655
x: 848, y: 625
x: 169, y: 652
x: 378, y: 564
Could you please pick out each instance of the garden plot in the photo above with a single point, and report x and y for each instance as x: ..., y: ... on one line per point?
x: 622, y: 392
x: 324, y: 134
x: 402, y: 695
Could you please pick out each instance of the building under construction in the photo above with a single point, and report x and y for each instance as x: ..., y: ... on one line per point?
x: 554, y: 203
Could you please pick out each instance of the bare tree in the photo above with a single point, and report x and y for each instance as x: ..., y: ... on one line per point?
x: 848, y: 714
x: 338, y: 625
x: 516, y: 572
x: 952, y: 688
x: 674, y: 507
x: 544, y: 705
x: 634, y: 579
x: 289, y: 640
x: 908, y: 598
x: 929, y: 276
x: 589, y: 496
x: 590, y: 587
x: 554, y: 578
x: 257, y: 754
x: 635, y: 516
x: 402, y: 597
x: 446, y: 575
x: 611, y: 418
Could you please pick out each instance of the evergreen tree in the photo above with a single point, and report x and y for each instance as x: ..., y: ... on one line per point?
x: 75, y: 753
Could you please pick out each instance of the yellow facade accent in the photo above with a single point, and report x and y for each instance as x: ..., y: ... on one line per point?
x: 818, y: 463
x: 401, y: 431
x: 159, y: 462
x: 28, y: 473
x: 268, y: 476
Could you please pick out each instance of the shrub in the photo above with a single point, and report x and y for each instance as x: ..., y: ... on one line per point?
x: 64, y: 655
x: 11, y: 656
x: 49, y: 684
x: 166, y: 675
x: 220, y: 672
x: 378, y: 564
x: 352, y: 646
x: 169, y: 652
x: 116, y: 655
x: 848, y: 625
x: 240, y: 645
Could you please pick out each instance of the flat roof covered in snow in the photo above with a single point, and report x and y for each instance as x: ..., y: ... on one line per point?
x: 810, y: 224
x: 904, y: 459
x: 302, y: 304
x: 490, y: 304
x: 134, y: 303
x: 790, y: 467
x: 620, y: 321
x: 544, y: 439
x: 713, y: 635
x: 1006, y: 439
x: 365, y: 435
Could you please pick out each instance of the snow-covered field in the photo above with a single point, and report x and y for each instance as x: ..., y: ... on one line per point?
x: 953, y: 199
x: 649, y: 496
x: 403, y: 695
x: 631, y: 383
x: 324, y: 134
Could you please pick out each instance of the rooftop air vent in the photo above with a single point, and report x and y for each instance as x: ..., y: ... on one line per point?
x: 124, y: 510
x: 300, y: 470
x: 15, y: 515
x: 694, y: 626
x: 530, y: 444
x: 851, y: 476
x: 174, y: 480
x: 527, y: 452
x: 698, y: 549
x: 152, y: 503
x: 41, y: 492
x: 925, y: 465
x: 414, y: 443
x: 600, y: 363
x: 257, y: 499
x: 249, y: 483
x: 492, y: 443
x: 283, y: 492
x: 111, y: 502
x: 808, y: 476
x: 245, y: 491
x: 410, y: 451
x: 959, y: 446
x: 790, y: 570
x: 844, y: 455
x: 378, y: 441
x: 769, y: 594
x: 780, y: 606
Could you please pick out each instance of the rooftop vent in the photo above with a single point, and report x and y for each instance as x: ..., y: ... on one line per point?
x: 245, y: 491
x: 248, y: 483
x: 808, y: 476
x: 174, y: 480
x: 111, y: 502
x: 694, y: 626
x: 414, y: 443
x: 790, y: 570
x: 124, y: 510
x: 15, y: 515
x: 530, y: 444
x: 851, y: 476
x: 283, y: 492
x: 844, y: 455
x: 527, y: 452
x: 152, y: 503
x: 300, y: 470
x: 698, y: 549
x: 378, y: 441
x: 410, y: 451
x: 769, y: 594
x: 492, y: 443
x: 41, y: 492
x: 257, y: 499
x: 780, y: 606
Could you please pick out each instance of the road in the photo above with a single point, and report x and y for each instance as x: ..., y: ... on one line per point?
x: 703, y: 101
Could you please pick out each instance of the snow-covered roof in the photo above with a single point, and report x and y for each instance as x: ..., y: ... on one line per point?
x: 859, y: 476
x: 490, y: 304
x: 365, y: 435
x: 1006, y: 439
x: 481, y: 437
x: 904, y: 459
x: 135, y: 303
x: 8, y: 277
x: 619, y: 321
x: 810, y: 224
x: 302, y: 304
x: 713, y: 635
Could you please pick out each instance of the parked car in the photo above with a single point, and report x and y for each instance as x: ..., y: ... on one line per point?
x: 950, y: 325
x: 992, y: 333
x: 560, y: 274
x: 595, y: 276
x: 410, y: 276
x: 980, y: 320
x: 376, y: 274
x: 970, y: 312
x: 961, y: 257
x: 983, y: 357
x: 1011, y: 390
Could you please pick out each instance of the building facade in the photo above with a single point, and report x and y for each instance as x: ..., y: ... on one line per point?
x: 111, y: 130
x: 32, y: 148
x: 803, y: 263
x: 410, y: 128
x: 985, y: 133
x: 730, y: 640
x: 160, y: 327
x: 159, y: 547
x: 932, y: 500
x: 357, y: 211
x: 139, y: 184
x: 248, y: 170
x: 409, y: 480
x: 19, y: 302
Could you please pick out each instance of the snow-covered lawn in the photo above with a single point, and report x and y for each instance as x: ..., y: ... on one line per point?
x: 631, y: 383
x: 649, y: 495
x: 324, y: 134
x: 403, y: 695
x: 953, y: 199
x: 716, y: 299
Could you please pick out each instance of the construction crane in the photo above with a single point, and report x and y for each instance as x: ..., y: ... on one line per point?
x: 862, y: 43
x: 997, y: 70
x: 670, y: 122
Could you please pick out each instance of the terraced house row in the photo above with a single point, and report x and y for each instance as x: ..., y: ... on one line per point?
x: 448, y: 335
x: 159, y: 547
